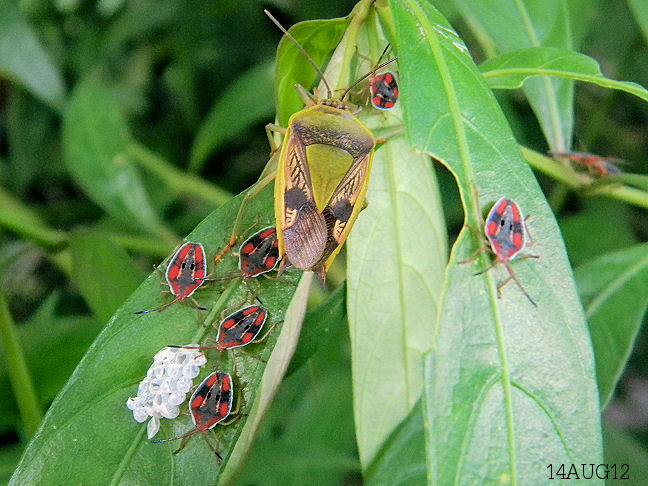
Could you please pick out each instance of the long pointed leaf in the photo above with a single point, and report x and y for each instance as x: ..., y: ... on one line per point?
x: 396, y: 261
x: 24, y: 60
x: 510, y: 70
x: 95, y: 141
x: 509, y: 387
x: 614, y: 291
x: 88, y: 433
x: 512, y: 24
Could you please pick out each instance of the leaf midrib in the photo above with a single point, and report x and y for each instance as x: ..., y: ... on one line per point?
x: 464, y: 151
x: 550, y: 94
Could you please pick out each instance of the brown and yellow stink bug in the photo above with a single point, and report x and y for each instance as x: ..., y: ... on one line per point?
x: 321, y: 178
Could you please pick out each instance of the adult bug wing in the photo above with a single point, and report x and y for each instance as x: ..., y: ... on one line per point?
x: 343, y: 210
x: 302, y: 233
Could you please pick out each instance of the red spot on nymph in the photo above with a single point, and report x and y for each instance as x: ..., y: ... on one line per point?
x: 267, y: 233
x: 229, y: 323
x: 174, y: 271
x: 226, y: 383
x: 250, y: 310
x: 247, y: 249
x: 197, y: 402
x: 212, y: 380
x: 223, y: 409
x: 517, y: 240
x: 184, y: 251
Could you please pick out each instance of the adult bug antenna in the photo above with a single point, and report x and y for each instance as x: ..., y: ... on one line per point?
x: 302, y: 50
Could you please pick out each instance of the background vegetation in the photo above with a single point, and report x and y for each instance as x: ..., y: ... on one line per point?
x: 178, y: 94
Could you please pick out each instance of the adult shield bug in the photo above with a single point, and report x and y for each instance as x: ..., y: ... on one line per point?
x: 506, y: 232
x: 322, y: 178
x: 185, y: 273
x: 209, y: 405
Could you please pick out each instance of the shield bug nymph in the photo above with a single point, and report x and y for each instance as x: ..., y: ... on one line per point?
x: 384, y: 90
x: 259, y: 254
x: 209, y: 405
x: 506, y: 231
x: 185, y: 272
x: 239, y: 329
x: 597, y: 164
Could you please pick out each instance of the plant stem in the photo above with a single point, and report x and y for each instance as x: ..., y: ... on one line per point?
x: 583, y: 182
x: 177, y: 181
x: 17, y: 217
x: 21, y: 380
x: 140, y: 244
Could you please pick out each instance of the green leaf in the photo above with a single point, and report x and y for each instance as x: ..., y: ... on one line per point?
x: 246, y: 101
x: 30, y: 125
x: 302, y: 447
x: 95, y: 141
x: 321, y: 325
x: 509, y: 387
x: 510, y: 25
x: 509, y: 71
x: 9, y: 457
x: 90, y: 435
x: 402, y: 458
x: 396, y: 262
x: 614, y: 291
x: 621, y: 448
x: 24, y: 60
x: 103, y: 272
x: 614, y: 222
x: 639, y: 9
x: 53, y: 346
x: 318, y: 38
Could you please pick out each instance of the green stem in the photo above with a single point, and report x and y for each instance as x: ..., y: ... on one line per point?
x: 582, y: 182
x: 558, y: 197
x: 141, y: 244
x: 21, y: 381
x: 358, y: 16
x: 17, y: 217
x: 179, y: 182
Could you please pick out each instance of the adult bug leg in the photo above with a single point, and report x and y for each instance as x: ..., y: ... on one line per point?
x: 254, y: 191
x: 271, y: 129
